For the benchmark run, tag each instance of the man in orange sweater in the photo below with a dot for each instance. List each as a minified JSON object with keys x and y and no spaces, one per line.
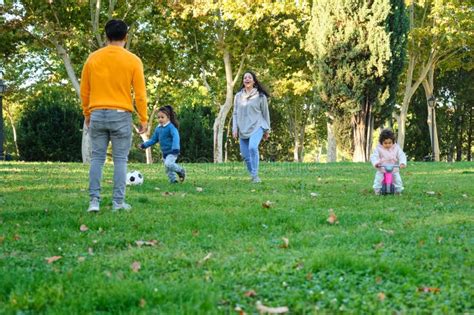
{"x":108,"y":76}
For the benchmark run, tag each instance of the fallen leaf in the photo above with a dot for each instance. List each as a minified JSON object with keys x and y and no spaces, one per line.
{"x":286,"y":243}
{"x":464,"y":195}
{"x":52,"y":259}
{"x":332,"y":219}
{"x":90,"y":251}
{"x":313,"y":194}
{"x":439,"y":239}
{"x":239,"y":310}
{"x":379,"y":245}
{"x":146,"y":243}
{"x":378,"y":280}
{"x":381,"y":296}
{"x":267,"y":204}
{"x":271,"y":310}
{"x":195,"y":233}
{"x":157,"y":188}
{"x":421,"y":243}
{"x":429,"y":290}
{"x":199,"y":189}
{"x":83,"y":228}
{"x":208,"y":256}
{"x":391,"y":232}
{"x":2,"y":238}
{"x":136,"y":266}
{"x":252,"y":190}
{"x":81,"y":259}
{"x":142,"y":303}
{"x":431,"y":193}
{"x":309,"y":276}
{"x":167,"y":193}
{"x":250,"y":293}
{"x":16,"y":237}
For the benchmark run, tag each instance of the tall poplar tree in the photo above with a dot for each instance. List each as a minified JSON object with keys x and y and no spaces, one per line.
{"x":358,"y":48}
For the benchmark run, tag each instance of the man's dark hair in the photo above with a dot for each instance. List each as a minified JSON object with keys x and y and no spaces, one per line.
{"x":386,"y":134}
{"x":116,"y":30}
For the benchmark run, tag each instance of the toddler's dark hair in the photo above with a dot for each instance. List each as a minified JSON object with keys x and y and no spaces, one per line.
{"x":386,"y":134}
{"x":169,"y":111}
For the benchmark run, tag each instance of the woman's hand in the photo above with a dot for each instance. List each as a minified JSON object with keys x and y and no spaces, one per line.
{"x":266,"y":135}
{"x":234,"y":134}
{"x":402,"y":166}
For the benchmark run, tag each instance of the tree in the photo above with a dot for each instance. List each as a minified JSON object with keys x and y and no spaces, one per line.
{"x":358,"y":49}
{"x":439,"y":31}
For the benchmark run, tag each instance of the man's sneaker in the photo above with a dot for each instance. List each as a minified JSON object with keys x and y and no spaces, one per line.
{"x":120,"y":206}
{"x":256,"y":179}
{"x":181,"y":175}
{"x":94,"y":205}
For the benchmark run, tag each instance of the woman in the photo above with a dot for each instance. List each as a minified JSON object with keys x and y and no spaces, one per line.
{"x":251,"y":120}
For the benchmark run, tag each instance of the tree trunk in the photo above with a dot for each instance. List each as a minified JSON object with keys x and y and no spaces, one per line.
{"x":428,"y":85}
{"x":460,"y":124}
{"x":332,"y":145}
{"x":219,"y":122}
{"x":12,"y":122}
{"x":361,"y":123}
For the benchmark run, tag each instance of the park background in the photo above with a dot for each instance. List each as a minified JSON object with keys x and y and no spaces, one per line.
{"x":312,"y":238}
{"x":337,"y":71}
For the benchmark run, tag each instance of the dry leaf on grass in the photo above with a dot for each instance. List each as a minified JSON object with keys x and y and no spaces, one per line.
{"x":136,"y":266}
{"x":83,"y":228}
{"x":313,"y":194}
{"x":379,"y":245}
{"x":429,"y":290}
{"x":167,"y":193}
{"x":142,"y":303}
{"x":208,"y":256}
{"x":239,"y":310}
{"x":286,"y":243}
{"x":431,"y":193}
{"x":199,"y":189}
{"x":250,"y":293}
{"x":390,"y":232}
{"x":267,"y":204}
{"x":90,"y":251}
{"x":332,"y":219}
{"x":52,"y":259}
{"x":271,"y":310}
{"x":146,"y":243}
{"x":381,"y":296}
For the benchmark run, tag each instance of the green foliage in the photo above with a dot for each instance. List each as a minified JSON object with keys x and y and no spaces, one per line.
{"x":196,"y":134}
{"x":395,"y":245}
{"x":49,"y":128}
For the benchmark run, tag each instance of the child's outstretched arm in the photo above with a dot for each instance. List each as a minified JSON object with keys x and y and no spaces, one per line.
{"x":402,"y":158}
{"x":375,"y":158}
{"x":153,"y":140}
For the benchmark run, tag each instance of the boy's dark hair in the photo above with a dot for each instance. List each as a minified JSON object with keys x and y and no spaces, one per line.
{"x":116,"y":30}
{"x":169,"y":111}
{"x":386,"y":134}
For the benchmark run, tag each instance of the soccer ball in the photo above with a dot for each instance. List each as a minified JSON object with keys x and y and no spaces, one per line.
{"x":134,"y":178}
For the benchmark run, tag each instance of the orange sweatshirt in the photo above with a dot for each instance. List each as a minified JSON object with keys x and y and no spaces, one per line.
{"x":107,"y":78}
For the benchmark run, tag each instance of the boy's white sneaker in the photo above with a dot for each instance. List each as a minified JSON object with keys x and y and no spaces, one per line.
{"x":120,"y":206}
{"x":94,"y":205}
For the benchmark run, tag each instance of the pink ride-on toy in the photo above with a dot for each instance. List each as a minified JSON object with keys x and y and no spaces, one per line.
{"x":388,"y":187}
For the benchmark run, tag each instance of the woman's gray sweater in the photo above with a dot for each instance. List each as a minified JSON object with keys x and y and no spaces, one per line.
{"x":250,"y":113}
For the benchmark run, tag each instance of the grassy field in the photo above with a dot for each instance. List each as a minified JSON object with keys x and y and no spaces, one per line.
{"x":211,"y":246}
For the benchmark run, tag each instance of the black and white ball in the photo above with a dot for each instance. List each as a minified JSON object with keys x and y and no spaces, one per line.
{"x":134,"y":178}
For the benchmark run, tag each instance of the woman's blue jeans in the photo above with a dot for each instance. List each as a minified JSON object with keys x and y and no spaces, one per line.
{"x":249,"y":151}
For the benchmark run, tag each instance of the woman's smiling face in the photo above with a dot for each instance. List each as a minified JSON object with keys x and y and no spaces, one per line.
{"x":248,"y":80}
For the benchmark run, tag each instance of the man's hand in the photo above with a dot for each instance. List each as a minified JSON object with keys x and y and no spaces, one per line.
{"x":143,"y":128}
{"x":402,"y":166}
{"x":234,"y":134}
{"x":87,"y":121}
{"x":266,"y":135}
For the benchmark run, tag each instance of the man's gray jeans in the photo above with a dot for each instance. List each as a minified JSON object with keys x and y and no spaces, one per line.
{"x":115,"y":126}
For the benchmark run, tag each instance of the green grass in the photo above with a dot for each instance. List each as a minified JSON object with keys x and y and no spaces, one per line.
{"x":395,"y":245}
